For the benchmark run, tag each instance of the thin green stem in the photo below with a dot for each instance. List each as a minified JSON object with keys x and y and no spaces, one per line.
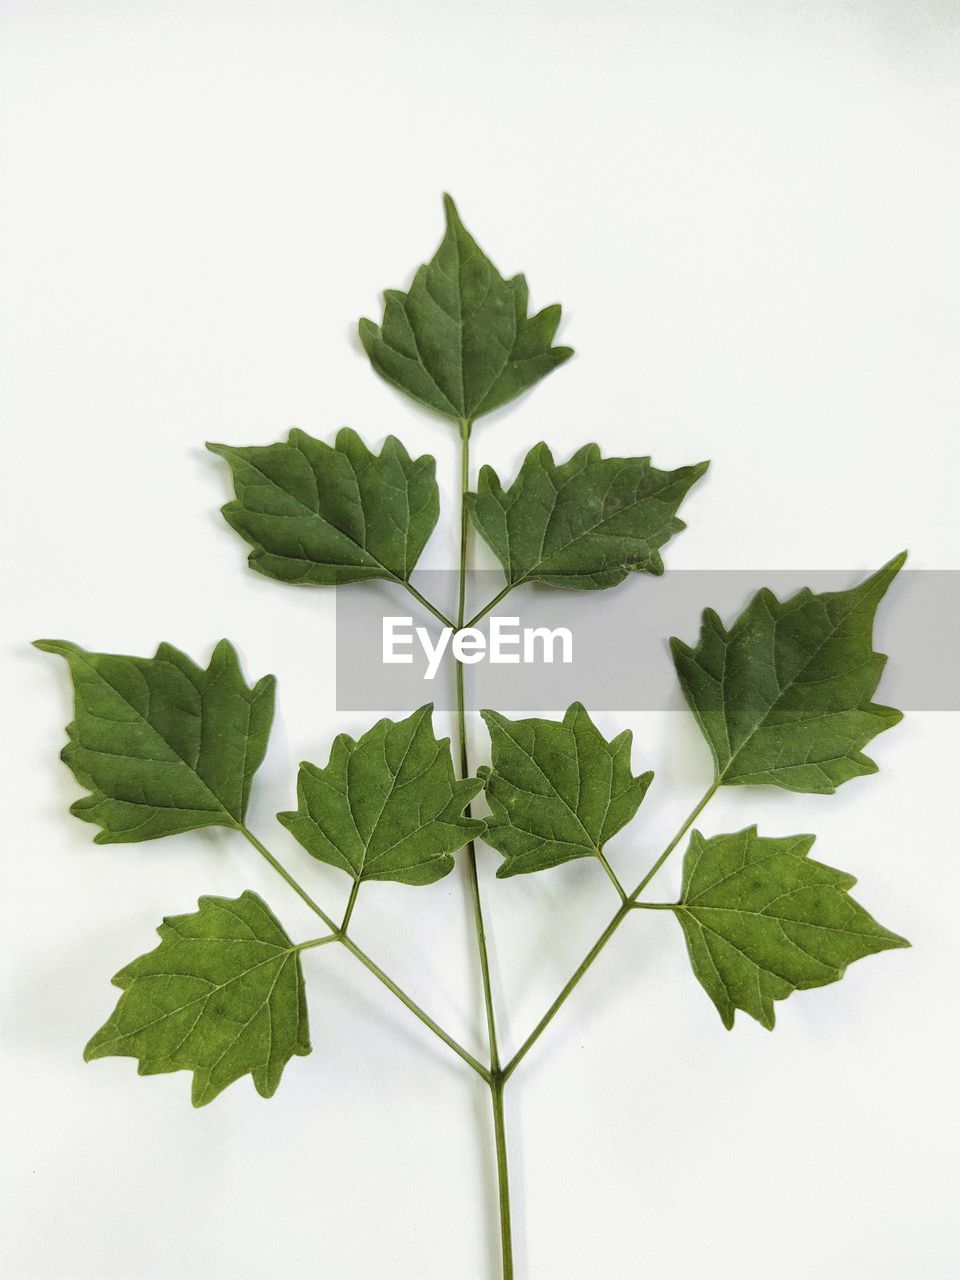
{"x":688,"y":822}
{"x":415,"y":1009}
{"x":465,"y":426}
{"x":561,"y":999}
{"x":317,"y":942}
{"x":295,"y":885}
{"x":471,"y":857}
{"x":495,"y":1077}
{"x":629,"y":902}
{"x":351,"y":903}
{"x":503,"y":1176}
{"x":340,"y":935}
{"x":614,"y":878}
{"x":491,"y":604}
{"x":431,"y":608}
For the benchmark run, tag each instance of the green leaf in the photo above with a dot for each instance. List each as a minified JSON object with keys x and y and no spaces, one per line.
{"x":162,"y":745}
{"x":783,"y":697}
{"x":585,"y":524}
{"x":460,"y":341}
{"x":321,"y":516}
{"x":762,"y":920}
{"x":221,"y":996}
{"x":558,"y":790}
{"x":387,"y":807}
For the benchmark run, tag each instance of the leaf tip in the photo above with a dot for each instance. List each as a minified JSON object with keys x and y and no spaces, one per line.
{"x":898,"y":561}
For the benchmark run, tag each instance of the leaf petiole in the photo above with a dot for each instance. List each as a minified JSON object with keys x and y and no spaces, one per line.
{"x":614,"y":878}
{"x":431,"y":608}
{"x":491,"y":604}
{"x":351,"y":903}
{"x":285,"y":874}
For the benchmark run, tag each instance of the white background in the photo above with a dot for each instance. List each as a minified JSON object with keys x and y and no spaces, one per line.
{"x":749,"y":212}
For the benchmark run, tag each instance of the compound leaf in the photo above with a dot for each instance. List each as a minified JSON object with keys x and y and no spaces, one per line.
{"x":763,"y":920}
{"x":783,"y":697}
{"x":460,"y":341}
{"x":386,"y":807}
{"x":162,"y":745}
{"x":221,"y":996}
{"x":558,"y":790}
{"x":585,"y":524}
{"x":324,"y":515}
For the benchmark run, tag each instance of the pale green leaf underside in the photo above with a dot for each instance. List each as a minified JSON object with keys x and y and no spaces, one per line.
{"x":221,"y":996}
{"x":585,"y":524}
{"x":162,"y":745}
{"x":557,"y":790}
{"x":386,"y":807}
{"x":460,"y":340}
{"x":784,"y":696}
{"x":322,"y":515}
{"x":763,"y":920}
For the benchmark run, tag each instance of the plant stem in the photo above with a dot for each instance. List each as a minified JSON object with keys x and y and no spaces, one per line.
{"x":491,"y":604}
{"x":431,"y":608}
{"x":295,"y":885}
{"x":581,"y":969}
{"x":351,"y":903}
{"x":625,"y":908}
{"x":317,"y":942}
{"x":690,"y":819}
{"x":496,"y":1079}
{"x":614,"y":878}
{"x":415,"y":1009}
{"x":339,"y":933}
{"x":497,"y":1085}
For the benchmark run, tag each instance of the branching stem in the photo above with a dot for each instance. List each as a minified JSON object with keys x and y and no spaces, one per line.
{"x":338,"y":933}
{"x":629,"y":902}
{"x":495,"y":1079}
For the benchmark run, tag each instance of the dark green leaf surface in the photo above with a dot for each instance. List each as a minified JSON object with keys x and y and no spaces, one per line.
{"x":162,"y":745}
{"x":386,"y":807}
{"x":460,"y":340}
{"x":584,"y":524}
{"x":221,"y":996}
{"x":784,"y":696}
{"x":557,"y":789}
{"x":762,"y":920}
{"x":323,"y":515}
